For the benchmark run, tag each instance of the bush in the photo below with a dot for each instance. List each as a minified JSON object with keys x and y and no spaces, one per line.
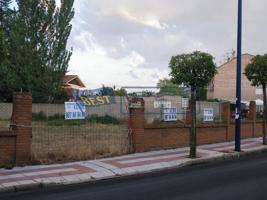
{"x":63,"y":122}
{"x":40,"y":116}
{"x":103,"y":119}
{"x":56,"y":117}
{"x":59,"y":120}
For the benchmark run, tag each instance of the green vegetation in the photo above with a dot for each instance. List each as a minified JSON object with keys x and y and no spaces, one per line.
{"x":33,"y":49}
{"x":168,"y":87}
{"x":256,"y":72}
{"x":8,"y":166}
{"x":201,"y":94}
{"x":143,"y":93}
{"x":59,"y":120}
{"x":120,"y":92}
{"x":40,"y":116}
{"x":194,"y":70}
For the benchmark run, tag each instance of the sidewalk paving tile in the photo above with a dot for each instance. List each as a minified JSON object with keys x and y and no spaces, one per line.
{"x":76,"y":172}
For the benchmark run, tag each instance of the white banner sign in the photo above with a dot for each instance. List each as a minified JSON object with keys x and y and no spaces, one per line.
{"x":75,"y":110}
{"x":208,"y":115}
{"x":170,"y":114}
{"x":162,"y":104}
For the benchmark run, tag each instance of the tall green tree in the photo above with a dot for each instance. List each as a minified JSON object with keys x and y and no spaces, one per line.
{"x":6,"y":75}
{"x":38,"y":54}
{"x":256,"y":72}
{"x":193,"y":70}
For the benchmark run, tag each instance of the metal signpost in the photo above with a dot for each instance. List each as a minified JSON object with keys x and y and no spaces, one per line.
{"x":238,"y":79}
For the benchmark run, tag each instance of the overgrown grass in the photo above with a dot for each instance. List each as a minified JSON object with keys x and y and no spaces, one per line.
{"x":89,"y":141}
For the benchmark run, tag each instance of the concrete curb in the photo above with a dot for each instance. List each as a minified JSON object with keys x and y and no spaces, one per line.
{"x":228,"y":156}
{"x":198,"y":161}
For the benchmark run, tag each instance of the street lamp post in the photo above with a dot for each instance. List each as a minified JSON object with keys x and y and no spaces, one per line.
{"x":238,"y":79}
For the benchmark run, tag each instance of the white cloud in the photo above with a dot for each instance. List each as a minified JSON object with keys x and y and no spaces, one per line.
{"x":96,"y":67}
{"x":147,"y":20}
{"x":130,"y":42}
{"x":89,"y":43}
{"x":135,"y":59}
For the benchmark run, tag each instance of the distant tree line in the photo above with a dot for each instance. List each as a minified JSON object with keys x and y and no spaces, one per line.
{"x":33,"y":49}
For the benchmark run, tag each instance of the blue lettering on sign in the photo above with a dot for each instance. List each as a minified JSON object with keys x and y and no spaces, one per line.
{"x":75,"y":110}
{"x":67,"y":115}
{"x":170,"y":114}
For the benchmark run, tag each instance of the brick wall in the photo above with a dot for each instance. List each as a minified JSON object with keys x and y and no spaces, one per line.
{"x":7,"y":147}
{"x":162,"y":136}
{"x":15,"y":145}
{"x":151,"y":137}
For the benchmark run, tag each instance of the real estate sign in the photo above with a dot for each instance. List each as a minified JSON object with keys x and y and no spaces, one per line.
{"x":75,"y":110}
{"x":208,"y":115}
{"x":162,"y":104}
{"x":170,"y":114}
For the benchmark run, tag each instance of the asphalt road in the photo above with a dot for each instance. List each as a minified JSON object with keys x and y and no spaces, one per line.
{"x":241,"y":179}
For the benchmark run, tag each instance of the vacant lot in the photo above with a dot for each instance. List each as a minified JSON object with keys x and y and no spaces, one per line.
{"x":88,"y":141}
{"x":53,"y":141}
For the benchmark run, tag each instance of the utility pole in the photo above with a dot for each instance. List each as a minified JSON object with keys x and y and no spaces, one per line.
{"x":238,"y":79}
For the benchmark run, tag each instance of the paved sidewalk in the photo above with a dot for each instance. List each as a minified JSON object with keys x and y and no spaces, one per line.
{"x":21,"y":178}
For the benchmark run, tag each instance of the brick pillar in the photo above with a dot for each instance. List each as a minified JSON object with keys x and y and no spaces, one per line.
{"x":136,"y":122}
{"x":226,"y":118}
{"x":252,"y":111}
{"x":252,"y":116}
{"x":21,"y":124}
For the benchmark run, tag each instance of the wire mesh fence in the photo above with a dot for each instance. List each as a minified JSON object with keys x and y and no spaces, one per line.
{"x":103,"y":132}
{"x":166,"y":105}
{"x":5,"y":115}
{"x":259,"y":111}
{"x":164,"y":108}
{"x":203,"y":107}
{"x":104,"y":129}
{"x":78,"y":142}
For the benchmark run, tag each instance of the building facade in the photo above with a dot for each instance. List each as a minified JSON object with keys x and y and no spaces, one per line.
{"x":223,"y":86}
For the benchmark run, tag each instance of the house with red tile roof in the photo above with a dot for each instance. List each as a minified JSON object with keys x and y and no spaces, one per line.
{"x":72,"y":84}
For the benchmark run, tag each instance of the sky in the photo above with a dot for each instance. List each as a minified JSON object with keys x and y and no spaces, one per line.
{"x":130,"y":42}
